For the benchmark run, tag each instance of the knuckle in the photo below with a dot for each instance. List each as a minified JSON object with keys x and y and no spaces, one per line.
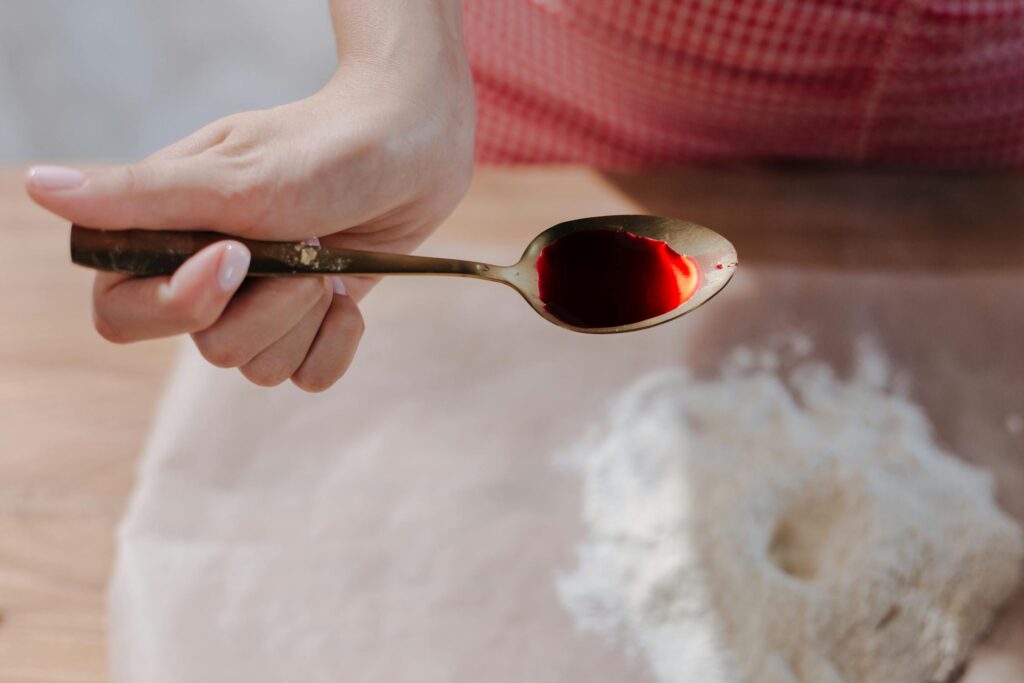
{"x":313,"y":383}
{"x":232,"y":123}
{"x":238,"y":142}
{"x":358,"y":324}
{"x":219,"y":353}
{"x":134,"y":178}
{"x":266,"y":374}
{"x":188,"y":316}
{"x":244,"y":131}
{"x":370,"y":148}
{"x":107,"y":329}
{"x":134,"y":181}
{"x":245,"y":189}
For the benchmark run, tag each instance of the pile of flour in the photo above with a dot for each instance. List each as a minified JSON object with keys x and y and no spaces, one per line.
{"x":804,"y":529}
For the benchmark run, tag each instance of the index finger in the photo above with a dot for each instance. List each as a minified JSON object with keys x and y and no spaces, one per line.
{"x":128,"y":309}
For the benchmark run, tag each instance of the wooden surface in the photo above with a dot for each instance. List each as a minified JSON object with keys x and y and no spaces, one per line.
{"x":73,"y":412}
{"x":74,"y":409}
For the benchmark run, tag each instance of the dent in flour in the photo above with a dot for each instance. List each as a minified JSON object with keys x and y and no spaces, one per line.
{"x":808,"y":530}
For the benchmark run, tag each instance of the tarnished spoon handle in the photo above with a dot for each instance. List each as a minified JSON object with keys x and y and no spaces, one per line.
{"x":160,"y":252}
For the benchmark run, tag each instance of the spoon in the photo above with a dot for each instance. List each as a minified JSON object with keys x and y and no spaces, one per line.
{"x":598,"y":275}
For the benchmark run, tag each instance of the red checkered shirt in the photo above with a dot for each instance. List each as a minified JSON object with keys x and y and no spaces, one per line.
{"x":634,"y":83}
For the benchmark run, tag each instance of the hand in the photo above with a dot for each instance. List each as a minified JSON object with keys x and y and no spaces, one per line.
{"x":375,"y":160}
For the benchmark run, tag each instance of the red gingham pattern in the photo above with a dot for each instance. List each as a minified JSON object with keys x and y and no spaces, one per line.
{"x":632,"y":83}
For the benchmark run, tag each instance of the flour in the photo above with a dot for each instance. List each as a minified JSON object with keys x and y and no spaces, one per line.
{"x":801,"y":530}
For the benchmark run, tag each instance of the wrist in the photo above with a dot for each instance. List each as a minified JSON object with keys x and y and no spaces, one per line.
{"x":396,"y":33}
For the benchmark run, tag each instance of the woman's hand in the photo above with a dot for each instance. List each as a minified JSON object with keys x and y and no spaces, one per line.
{"x":375,"y":160}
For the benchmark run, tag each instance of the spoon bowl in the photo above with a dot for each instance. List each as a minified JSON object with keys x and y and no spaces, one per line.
{"x":706,"y":261}
{"x":713,"y":255}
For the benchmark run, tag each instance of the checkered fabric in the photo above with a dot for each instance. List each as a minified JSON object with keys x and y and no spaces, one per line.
{"x":634,"y":83}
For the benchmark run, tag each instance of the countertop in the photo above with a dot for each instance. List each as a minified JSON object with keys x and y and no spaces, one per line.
{"x":74,"y":409}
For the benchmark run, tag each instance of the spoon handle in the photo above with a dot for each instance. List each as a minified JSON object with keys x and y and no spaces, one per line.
{"x":160,"y":252}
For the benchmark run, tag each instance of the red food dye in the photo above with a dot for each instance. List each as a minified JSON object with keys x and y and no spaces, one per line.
{"x":605,"y":278}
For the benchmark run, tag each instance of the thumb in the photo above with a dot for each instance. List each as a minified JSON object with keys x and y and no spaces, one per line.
{"x":190,"y":192}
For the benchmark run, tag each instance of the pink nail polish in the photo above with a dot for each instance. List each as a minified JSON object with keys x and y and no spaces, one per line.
{"x":55,"y":178}
{"x":339,"y":286}
{"x":234,"y":265}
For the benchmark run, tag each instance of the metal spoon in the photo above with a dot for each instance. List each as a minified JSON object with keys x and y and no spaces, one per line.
{"x":160,"y":252}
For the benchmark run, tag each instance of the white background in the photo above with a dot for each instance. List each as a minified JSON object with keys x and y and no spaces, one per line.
{"x":117,"y":79}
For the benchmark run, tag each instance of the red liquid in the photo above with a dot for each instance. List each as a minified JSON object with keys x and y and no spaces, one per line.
{"x":604,"y":278}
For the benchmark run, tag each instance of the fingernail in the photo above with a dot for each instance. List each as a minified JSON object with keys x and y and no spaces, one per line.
{"x":55,"y":178}
{"x":234,"y":265}
{"x":339,"y":286}
{"x":312,"y":241}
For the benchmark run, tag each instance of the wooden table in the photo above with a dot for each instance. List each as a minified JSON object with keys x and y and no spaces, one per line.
{"x":74,"y":409}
